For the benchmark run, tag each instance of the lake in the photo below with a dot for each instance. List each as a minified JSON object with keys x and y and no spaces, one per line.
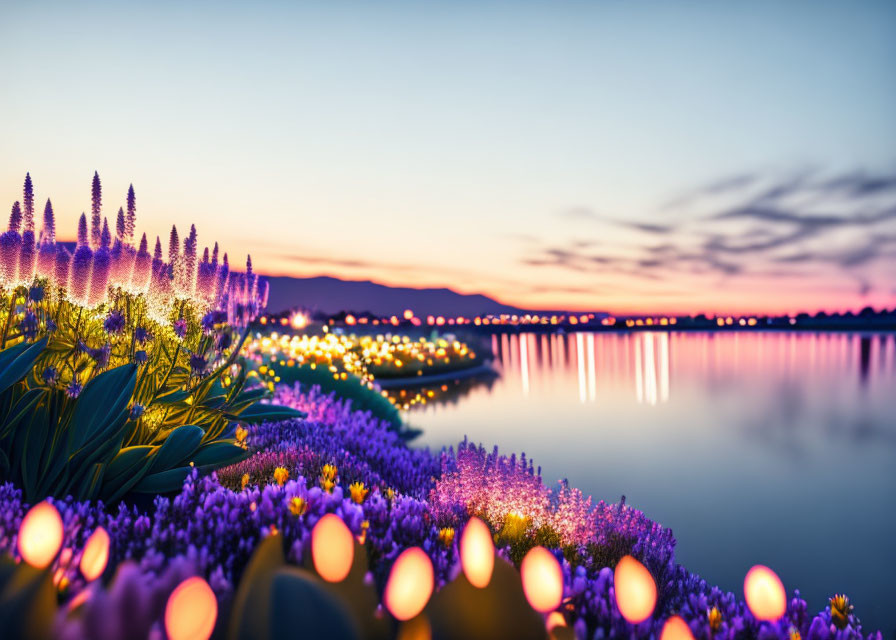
{"x":754,"y":447}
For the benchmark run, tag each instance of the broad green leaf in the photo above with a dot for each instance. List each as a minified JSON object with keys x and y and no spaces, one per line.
{"x":177,"y":448}
{"x":268,"y":413}
{"x":167,"y":481}
{"x":17,"y":361}
{"x":103,"y":400}
{"x":219,"y":453}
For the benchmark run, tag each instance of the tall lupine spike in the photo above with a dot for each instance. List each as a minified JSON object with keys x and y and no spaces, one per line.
{"x":187,"y":282}
{"x":10,"y":241}
{"x":96,"y":208}
{"x":205,"y":254}
{"x":82,"y":230}
{"x":215,"y":256}
{"x":105,"y":235}
{"x":173,"y":253}
{"x":48,"y":233}
{"x":15,"y":217}
{"x":159,"y":269}
{"x":121,"y":230}
{"x":28,"y":203}
{"x":157,"y":253}
{"x":131,"y":218}
{"x":28,"y":256}
{"x":47,"y":243}
{"x":142,"y":266}
{"x":99,"y":276}
{"x":60,"y":273}
{"x":82,"y":261}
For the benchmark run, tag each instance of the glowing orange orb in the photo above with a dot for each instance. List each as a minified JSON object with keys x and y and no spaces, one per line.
{"x":477,"y":553}
{"x":676,"y":629}
{"x":191,"y":611}
{"x":635,"y":590}
{"x":542,"y":580}
{"x":40,"y":535}
{"x":96,"y":555}
{"x":765,"y":593}
{"x":555,"y":619}
{"x":410,"y":584}
{"x":332,"y":548}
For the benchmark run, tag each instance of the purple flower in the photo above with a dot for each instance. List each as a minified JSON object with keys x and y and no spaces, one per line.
{"x":29,"y":325}
{"x":180,"y":327}
{"x":136,"y":411}
{"x":141,"y":334}
{"x":140,"y":357}
{"x":50,"y":375}
{"x":114,"y":322}
{"x":197,"y":365}
{"x":101,"y":355}
{"x":36,"y":293}
{"x":73,"y":390}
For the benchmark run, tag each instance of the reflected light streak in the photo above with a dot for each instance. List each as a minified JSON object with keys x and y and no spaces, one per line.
{"x":592,"y":374}
{"x":580,"y":360}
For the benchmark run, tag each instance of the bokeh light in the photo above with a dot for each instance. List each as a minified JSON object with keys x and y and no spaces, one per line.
{"x":635,"y":590}
{"x":332,"y":548}
{"x":95,"y":555}
{"x":676,"y":629}
{"x":542,"y":580}
{"x":191,"y":611}
{"x":410,"y":584}
{"x":764,"y":593}
{"x":477,"y":553}
{"x":40,"y":535}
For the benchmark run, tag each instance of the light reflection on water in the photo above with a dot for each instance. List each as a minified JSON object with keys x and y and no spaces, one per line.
{"x":773,"y":448}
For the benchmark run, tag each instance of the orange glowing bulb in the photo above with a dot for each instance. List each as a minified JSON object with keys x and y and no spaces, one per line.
{"x":96,"y":555}
{"x":410,"y":584}
{"x":477,"y":553}
{"x":555,"y":619}
{"x":676,"y":629}
{"x":635,"y":590}
{"x":542,"y":580}
{"x":765,"y":593}
{"x":191,"y":611}
{"x":40,"y":535}
{"x":332,"y":548}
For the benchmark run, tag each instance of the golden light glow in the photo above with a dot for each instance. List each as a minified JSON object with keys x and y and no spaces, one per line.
{"x":410,"y":584}
{"x":477,"y":553}
{"x":676,"y":629}
{"x":765,"y":593}
{"x":635,"y":590}
{"x":332,"y":548}
{"x":40,"y":535}
{"x":542,"y":580}
{"x":191,"y":611}
{"x":555,"y":619}
{"x":95,"y":555}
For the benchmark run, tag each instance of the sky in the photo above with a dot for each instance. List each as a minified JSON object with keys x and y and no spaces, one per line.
{"x":604,"y":155}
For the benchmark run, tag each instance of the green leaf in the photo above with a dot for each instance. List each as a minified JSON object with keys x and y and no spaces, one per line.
{"x":268,"y":413}
{"x":219,"y":453}
{"x":101,"y":402}
{"x":17,"y":361}
{"x":20,"y":411}
{"x":177,"y":448}
{"x":167,"y":481}
{"x":128,"y":461}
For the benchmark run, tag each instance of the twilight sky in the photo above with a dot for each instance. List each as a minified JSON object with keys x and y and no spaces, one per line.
{"x":628,"y":156}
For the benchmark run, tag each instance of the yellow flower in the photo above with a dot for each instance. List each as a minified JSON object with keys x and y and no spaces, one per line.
{"x":715,"y":618}
{"x":446,"y":536}
{"x":390,"y":493}
{"x":358,"y":491}
{"x":281,"y":475}
{"x":327,"y":485}
{"x":795,"y":634}
{"x":362,"y":538}
{"x":241,"y":434}
{"x":298,"y":506}
{"x":328,"y":472}
{"x":244,"y":481}
{"x":840,"y":610}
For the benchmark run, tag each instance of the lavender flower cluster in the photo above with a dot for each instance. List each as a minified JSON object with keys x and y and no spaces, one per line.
{"x":100,"y":262}
{"x":345,"y":462}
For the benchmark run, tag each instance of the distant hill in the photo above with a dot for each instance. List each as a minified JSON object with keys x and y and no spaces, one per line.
{"x":331,"y":295}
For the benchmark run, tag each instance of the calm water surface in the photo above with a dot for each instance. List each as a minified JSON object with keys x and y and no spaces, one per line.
{"x":771,"y":448}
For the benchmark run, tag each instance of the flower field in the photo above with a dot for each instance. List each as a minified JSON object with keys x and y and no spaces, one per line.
{"x":150,"y":487}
